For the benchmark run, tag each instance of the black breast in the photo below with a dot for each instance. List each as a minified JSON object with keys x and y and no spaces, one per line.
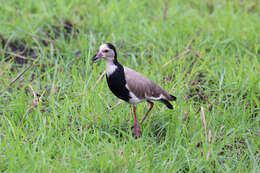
{"x":117,"y":83}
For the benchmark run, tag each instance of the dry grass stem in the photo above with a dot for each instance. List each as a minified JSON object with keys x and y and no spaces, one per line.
{"x":21,"y":74}
{"x":19,"y":56}
{"x":210,"y":136}
{"x":166,"y":7}
{"x":204,"y":120}
{"x":171,"y":60}
{"x":100,"y":77}
{"x":36,"y":98}
{"x":109,"y":109}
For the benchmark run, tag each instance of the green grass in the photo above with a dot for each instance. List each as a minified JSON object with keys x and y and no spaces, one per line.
{"x":220,"y":74}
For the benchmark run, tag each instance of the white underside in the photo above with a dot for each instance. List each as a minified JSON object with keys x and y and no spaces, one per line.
{"x":155,"y":98}
{"x":134,"y":99}
{"x":111,"y":68}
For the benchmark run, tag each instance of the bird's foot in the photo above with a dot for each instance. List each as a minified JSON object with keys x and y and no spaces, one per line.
{"x":137,"y":131}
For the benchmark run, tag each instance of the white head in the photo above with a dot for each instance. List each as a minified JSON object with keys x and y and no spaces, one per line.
{"x":107,"y":51}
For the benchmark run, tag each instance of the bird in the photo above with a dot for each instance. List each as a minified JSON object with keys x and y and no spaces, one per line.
{"x":129,"y":85}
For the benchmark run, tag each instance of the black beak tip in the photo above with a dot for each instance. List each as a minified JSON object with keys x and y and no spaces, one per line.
{"x":94,"y":59}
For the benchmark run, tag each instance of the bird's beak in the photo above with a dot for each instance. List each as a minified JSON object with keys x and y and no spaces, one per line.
{"x":97,"y":56}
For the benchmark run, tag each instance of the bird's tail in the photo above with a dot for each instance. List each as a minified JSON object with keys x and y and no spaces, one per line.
{"x":172,"y":98}
{"x":168,"y":104}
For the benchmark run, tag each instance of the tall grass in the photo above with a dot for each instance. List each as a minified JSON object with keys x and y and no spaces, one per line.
{"x":72,"y":129}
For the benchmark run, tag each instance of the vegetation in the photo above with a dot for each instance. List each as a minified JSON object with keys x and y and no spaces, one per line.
{"x":59,"y":115}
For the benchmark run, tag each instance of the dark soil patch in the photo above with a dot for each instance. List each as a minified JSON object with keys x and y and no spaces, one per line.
{"x":197,"y":91}
{"x":19,"y":50}
{"x":23,"y":54}
{"x":67,"y":29}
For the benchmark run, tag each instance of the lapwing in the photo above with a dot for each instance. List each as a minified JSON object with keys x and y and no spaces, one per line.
{"x":129,"y":85}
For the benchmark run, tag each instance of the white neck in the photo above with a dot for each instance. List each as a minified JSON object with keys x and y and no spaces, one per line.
{"x":111,"y":67}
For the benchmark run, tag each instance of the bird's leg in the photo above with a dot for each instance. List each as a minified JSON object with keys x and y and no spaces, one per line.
{"x":151,"y":106}
{"x":137,"y":129}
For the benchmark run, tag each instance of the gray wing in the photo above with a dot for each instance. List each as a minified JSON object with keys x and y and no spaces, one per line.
{"x":143,"y":87}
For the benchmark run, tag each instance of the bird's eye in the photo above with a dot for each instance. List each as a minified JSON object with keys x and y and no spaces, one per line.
{"x":105,"y":51}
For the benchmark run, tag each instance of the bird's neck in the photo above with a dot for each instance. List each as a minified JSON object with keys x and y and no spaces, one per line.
{"x":112,"y":65}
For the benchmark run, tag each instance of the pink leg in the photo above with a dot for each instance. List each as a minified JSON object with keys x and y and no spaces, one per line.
{"x":151,"y":106}
{"x":137,"y":129}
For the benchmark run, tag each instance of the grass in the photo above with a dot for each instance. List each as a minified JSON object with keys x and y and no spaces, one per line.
{"x":71,"y":129}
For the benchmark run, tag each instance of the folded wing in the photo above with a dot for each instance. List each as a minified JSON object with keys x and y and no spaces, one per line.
{"x":144,"y":88}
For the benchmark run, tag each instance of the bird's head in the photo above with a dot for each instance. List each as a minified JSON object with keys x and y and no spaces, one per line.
{"x":107,"y":51}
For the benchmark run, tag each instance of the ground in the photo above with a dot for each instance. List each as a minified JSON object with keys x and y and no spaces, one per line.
{"x":58,"y":115}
